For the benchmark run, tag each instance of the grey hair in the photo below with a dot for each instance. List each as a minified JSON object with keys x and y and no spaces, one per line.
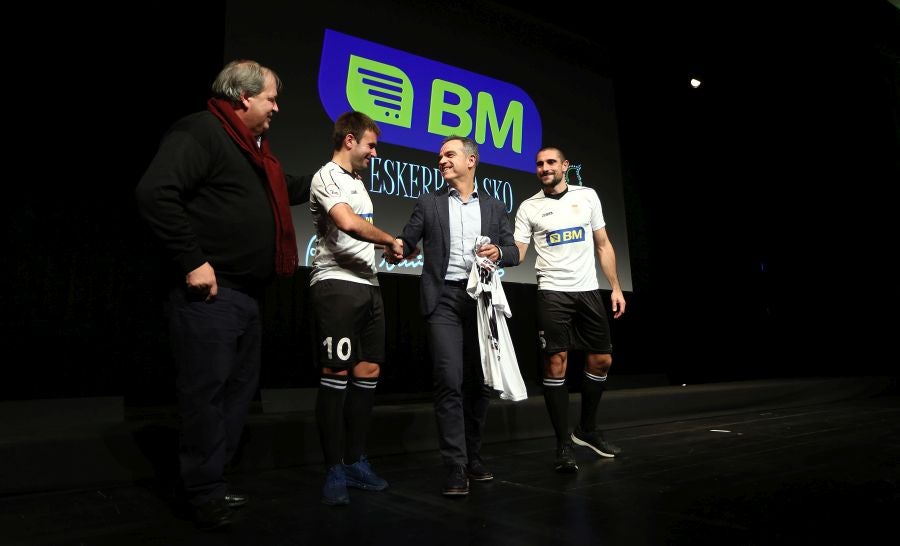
{"x":242,"y":78}
{"x":468,"y":145}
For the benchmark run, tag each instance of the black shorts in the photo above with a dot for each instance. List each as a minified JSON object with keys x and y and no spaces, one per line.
{"x":349,"y":323}
{"x":572,"y":320}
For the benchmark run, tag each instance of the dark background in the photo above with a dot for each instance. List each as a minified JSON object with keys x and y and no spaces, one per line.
{"x":569,"y":100}
{"x":759,"y":208}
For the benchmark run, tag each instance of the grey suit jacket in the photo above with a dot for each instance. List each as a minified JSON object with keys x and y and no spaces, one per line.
{"x":430,"y":222}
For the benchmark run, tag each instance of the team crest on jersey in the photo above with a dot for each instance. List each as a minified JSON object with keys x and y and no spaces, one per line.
{"x":565,"y":236}
{"x":368,"y":217}
{"x":333,"y":189}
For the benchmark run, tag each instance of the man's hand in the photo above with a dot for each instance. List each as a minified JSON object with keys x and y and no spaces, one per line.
{"x":394,"y":253}
{"x":491,"y":252}
{"x":203,"y":281}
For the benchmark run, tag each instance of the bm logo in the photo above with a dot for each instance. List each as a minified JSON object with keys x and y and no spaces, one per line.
{"x":565,"y":236}
{"x":417,"y":102}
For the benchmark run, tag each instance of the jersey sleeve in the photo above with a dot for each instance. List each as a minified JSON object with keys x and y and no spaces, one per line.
{"x":326,"y":189}
{"x":597,"y":221}
{"x":523,"y":226}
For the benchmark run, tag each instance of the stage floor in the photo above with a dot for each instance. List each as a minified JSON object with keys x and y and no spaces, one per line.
{"x":817,"y":474}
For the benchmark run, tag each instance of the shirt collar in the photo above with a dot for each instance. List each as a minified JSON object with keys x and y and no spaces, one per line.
{"x":455,"y":193}
{"x":559,"y":195}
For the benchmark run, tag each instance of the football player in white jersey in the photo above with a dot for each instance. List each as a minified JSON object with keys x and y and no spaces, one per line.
{"x":346,"y":300}
{"x":567,"y":226}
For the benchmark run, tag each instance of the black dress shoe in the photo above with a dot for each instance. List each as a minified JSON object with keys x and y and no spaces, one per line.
{"x":213,"y":514}
{"x":457,"y":483}
{"x":478,"y":471}
{"x":236,"y":500}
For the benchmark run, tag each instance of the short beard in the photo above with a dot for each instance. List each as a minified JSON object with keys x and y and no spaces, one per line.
{"x":553,"y":183}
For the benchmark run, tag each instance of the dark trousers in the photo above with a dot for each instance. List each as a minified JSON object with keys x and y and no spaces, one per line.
{"x":217,"y":347}
{"x":460,"y":399}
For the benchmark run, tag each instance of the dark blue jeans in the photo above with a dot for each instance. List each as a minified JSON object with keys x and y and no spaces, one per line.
{"x":217,"y":348}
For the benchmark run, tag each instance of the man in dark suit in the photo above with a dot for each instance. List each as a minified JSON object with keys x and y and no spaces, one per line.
{"x":448,"y":221}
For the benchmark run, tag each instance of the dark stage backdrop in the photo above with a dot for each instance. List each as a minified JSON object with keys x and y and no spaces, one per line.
{"x":757,"y":211}
{"x":424,"y":70}
{"x":87,"y":286}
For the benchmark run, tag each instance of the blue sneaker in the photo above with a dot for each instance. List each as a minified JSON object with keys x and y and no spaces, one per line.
{"x":334,"y":493}
{"x":361,"y":476}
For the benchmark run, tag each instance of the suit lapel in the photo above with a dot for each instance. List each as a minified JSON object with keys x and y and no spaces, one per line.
{"x":443,"y":213}
{"x":485,"y":214}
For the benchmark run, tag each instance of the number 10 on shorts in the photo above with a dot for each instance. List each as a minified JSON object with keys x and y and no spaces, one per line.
{"x":343,"y":348}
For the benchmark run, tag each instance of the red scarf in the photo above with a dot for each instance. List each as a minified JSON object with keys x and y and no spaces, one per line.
{"x":286,"y":257}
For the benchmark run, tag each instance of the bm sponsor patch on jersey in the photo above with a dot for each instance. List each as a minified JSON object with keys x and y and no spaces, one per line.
{"x":565,"y":236}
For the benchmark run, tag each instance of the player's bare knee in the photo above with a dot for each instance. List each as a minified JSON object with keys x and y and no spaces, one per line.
{"x":599,"y":364}
{"x":366,"y":370}
{"x":555,"y":365}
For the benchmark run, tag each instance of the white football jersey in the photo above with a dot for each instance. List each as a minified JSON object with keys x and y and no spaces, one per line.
{"x":338,"y":255}
{"x":563,"y":233}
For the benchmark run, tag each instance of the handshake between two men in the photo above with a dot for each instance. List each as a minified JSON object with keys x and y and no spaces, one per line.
{"x":394,"y":253}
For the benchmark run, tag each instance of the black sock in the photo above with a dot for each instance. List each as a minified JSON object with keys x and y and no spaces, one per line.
{"x":556,"y":397}
{"x":591,"y":390}
{"x":330,"y":416}
{"x":358,"y":416}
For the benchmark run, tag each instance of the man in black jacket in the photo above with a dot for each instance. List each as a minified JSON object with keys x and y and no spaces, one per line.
{"x":218,"y":200}
{"x":448,"y":221}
